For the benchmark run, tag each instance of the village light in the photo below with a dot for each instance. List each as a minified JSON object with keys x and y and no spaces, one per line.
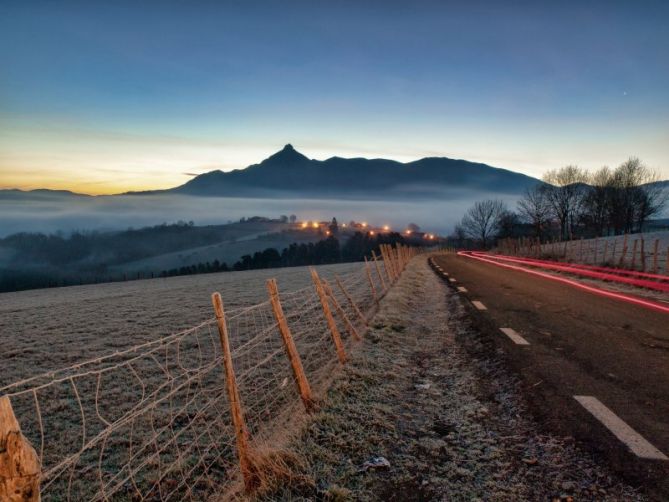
{"x":386,"y":227}
{"x":364,"y":224}
{"x":314,"y":224}
{"x":408,"y":232}
{"x":327,"y":232}
{"x":304,"y":224}
{"x":371,"y":232}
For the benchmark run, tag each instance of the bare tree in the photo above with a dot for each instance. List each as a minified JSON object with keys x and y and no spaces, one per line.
{"x":635,"y":196}
{"x":566,"y":195}
{"x":535,"y":209}
{"x":596,"y":205}
{"x":481,"y":221}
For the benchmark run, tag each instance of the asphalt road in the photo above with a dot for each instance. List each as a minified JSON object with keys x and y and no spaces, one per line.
{"x":579,"y":344}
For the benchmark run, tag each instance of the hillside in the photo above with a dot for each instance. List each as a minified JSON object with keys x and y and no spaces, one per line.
{"x":288,"y":173}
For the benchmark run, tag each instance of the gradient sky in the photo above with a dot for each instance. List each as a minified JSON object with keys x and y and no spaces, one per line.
{"x":106,"y":97}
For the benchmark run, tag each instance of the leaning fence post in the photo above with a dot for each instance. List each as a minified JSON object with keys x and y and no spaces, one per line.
{"x":332,"y":325}
{"x":371,"y":282}
{"x":386,"y":263}
{"x":378,"y":271}
{"x":340,"y":311}
{"x":289,"y":344}
{"x":19,"y":464}
{"x":247,"y":467}
{"x":624,"y":252}
{"x":354,"y":306}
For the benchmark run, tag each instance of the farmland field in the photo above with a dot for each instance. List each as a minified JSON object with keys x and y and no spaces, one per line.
{"x":43,"y":330}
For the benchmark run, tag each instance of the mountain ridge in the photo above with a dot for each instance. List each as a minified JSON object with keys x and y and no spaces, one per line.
{"x":290,"y":173}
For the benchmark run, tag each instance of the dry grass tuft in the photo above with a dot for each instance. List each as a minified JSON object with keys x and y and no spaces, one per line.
{"x":279,"y":468}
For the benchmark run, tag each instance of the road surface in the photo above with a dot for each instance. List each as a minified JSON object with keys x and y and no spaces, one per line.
{"x":579,"y":344}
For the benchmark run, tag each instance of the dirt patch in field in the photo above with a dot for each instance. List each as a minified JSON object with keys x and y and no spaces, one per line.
{"x":451,"y":426}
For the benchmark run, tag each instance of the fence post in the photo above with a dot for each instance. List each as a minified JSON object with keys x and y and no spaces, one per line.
{"x":378,"y":271}
{"x":606,"y":251}
{"x":624,"y":253}
{"x":386,"y":263}
{"x":633,"y":267}
{"x":340,"y":311}
{"x":371,"y":282}
{"x":351,"y":301}
{"x":655,"y":250}
{"x":19,"y":464}
{"x":293,"y":355}
{"x":249,"y":471}
{"x":332,"y":325}
{"x":643,"y":255}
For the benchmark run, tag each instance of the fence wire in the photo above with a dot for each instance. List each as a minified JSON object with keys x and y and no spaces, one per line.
{"x":153,"y":422}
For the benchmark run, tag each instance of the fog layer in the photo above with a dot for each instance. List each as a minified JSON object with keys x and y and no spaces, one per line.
{"x":66,"y":213}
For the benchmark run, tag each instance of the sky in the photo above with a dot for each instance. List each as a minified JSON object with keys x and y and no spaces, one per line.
{"x":108,"y":97}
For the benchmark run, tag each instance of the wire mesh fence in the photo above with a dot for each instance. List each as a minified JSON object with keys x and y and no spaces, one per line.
{"x":154,"y":422}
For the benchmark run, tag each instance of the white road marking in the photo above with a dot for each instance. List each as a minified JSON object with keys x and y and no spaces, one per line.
{"x":479,"y":305}
{"x":634,"y":441}
{"x":462,"y":289}
{"x":452,"y":280}
{"x":515,"y":337}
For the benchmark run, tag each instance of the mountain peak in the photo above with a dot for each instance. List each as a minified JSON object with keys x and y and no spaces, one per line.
{"x":286,"y":156}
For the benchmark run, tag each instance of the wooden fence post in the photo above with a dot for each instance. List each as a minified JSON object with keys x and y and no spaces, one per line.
{"x":332,"y":325}
{"x":354,"y":306}
{"x":633,"y":267}
{"x":386,"y":263}
{"x":594,"y":260}
{"x":624,"y":253}
{"x":606,"y":250}
{"x":643,"y":254}
{"x":249,"y":470}
{"x":340,"y":311}
{"x":291,"y":350}
{"x":655,"y":251}
{"x":371,"y":282}
{"x":378,"y":271}
{"x":19,"y":464}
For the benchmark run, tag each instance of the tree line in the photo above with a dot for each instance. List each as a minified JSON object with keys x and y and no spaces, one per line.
{"x":325,"y":251}
{"x":570,"y":203}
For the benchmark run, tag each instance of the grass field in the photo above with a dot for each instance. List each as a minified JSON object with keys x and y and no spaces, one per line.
{"x":42,"y":330}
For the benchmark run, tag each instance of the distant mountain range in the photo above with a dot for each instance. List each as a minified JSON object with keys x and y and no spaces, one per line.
{"x":288,"y":173}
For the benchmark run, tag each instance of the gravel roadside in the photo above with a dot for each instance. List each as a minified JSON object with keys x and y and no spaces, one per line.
{"x":450,"y":422}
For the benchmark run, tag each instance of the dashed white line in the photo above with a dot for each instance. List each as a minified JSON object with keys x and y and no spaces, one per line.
{"x":515,"y":337}
{"x":631,"y":438}
{"x":451,"y":280}
{"x":462,"y":289}
{"x":479,"y":305}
